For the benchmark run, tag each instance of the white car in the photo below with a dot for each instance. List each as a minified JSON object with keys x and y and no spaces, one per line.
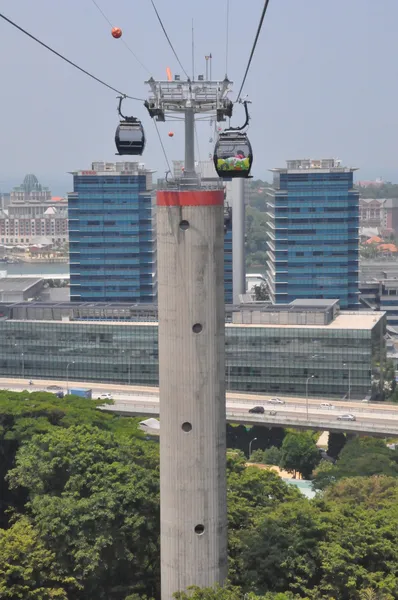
{"x":346,"y":418}
{"x":276,"y":401}
{"x":327,"y":405}
{"x":105,"y":397}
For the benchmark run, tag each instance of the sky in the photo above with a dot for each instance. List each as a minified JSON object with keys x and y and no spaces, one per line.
{"x":323,"y":81}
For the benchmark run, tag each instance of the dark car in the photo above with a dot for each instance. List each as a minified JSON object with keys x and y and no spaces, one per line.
{"x":257,"y":409}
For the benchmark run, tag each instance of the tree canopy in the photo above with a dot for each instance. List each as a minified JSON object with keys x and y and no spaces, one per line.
{"x":80,"y":511}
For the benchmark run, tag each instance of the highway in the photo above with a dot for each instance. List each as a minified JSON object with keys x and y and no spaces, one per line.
{"x":379,"y":419}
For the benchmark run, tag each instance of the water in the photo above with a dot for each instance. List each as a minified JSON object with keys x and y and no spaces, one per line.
{"x":35,"y":268}
{"x":304,"y":485}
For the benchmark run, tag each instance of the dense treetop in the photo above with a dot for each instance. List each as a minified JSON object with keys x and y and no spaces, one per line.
{"x":80,"y":512}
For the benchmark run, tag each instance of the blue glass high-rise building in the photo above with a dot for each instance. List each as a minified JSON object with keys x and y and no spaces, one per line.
{"x":112,"y":235}
{"x":313,"y":212}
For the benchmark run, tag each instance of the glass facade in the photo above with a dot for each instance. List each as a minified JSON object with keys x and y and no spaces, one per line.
{"x":112,"y":248}
{"x":259,"y":358}
{"x":313,"y":236}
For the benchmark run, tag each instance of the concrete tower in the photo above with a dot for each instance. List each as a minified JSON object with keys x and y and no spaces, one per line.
{"x":190,"y":229}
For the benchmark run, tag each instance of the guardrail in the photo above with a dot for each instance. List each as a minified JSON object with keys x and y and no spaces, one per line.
{"x":347,"y":426}
{"x":338,"y":409}
{"x":238,"y":398}
{"x":277,"y":421}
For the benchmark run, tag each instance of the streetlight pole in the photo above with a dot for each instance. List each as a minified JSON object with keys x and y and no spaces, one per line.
{"x":67,"y":375}
{"x":349,"y":380}
{"x":250,"y":447}
{"x":306,"y":391}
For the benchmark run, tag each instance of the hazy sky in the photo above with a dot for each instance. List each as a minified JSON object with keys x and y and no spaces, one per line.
{"x":323,"y":81}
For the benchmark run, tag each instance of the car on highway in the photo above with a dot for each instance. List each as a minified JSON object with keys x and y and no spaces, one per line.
{"x":272,"y":413}
{"x":105,"y":397}
{"x":347,"y":417}
{"x":327,"y":405}
{"x":54,"y":388}
{"x":257,"y":410}
{"x":276,"y":401}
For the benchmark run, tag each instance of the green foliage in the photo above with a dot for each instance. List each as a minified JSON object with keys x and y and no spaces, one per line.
{"x":341,"y":546}
{"x":81,"y":511}
{"x":273,"y":456}
{"x":360,"y":457}
{"x":211,"y":593}
{"x":25,"y":414}
{"x":281,"y":551}
{"x":386,"y":190}
{"x":299,"y":453}
{"x":95,"y":499}
{"x":28,"y":570}
{"x":261,"y":292}
{"x":324,"y":475}
{"x":365,"y":457}
{"x":257,"y":236}
{"x":257,"y":456}
{"x":258,"y":195}
{"x":251,"y":493}
{"x":227,"y":593}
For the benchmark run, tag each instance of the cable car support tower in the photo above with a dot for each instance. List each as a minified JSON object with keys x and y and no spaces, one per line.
{"x":190,"y":230}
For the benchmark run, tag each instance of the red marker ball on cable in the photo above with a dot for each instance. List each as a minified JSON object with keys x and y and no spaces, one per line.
{"x":116,"y":32}
{"x":171,"y":134}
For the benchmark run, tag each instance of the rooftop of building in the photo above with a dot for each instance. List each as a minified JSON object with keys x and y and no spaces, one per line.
{"x":20,"y":284}
{"x":308,"y":314}
{"x":354,"y":321}
{"x":311,"y":165}
{"x":120,"y":167}
{"x":30,"y":184}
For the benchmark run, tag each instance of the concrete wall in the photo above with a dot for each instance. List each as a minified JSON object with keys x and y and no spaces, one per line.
{"x":192,"y":392}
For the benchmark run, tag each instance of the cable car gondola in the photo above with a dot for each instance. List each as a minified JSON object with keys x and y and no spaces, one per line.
{"x":233,"y":155}
{"x":130,"y":135}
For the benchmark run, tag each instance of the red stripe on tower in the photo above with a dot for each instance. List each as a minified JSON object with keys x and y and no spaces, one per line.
{"x":190,"y":198}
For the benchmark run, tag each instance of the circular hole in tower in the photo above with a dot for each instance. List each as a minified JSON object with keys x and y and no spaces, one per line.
{"x":197,"y":328}
{"x":199,"y":529}
{"x":184,"y":225}
{"x":187,"y":427}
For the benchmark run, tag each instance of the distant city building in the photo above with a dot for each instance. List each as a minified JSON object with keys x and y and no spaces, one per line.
{"x":31,"y":215}
{"x":389,"y":215}
{"x":5,"y":199}
{"x":371,"y":183}
{"x":269,"y":349}
{"x":370,"y":212}
{"x":112,"y":234}
{"x":313,"y":212}
{"x":50,"y":228}
{"x":382,"y":294}
{"x":31,"y":200}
